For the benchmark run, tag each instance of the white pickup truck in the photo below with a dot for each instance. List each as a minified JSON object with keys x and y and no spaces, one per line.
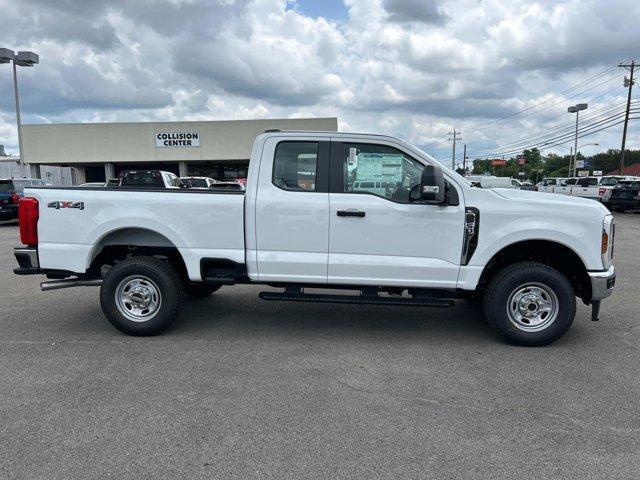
{"x":595,"y":188}
{"x":428,"y":238}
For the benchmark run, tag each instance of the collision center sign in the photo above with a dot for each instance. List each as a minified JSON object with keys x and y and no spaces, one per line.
{"x":177,"y":139}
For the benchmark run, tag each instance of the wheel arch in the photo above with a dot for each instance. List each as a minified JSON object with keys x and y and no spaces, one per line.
{"x":121,"y":243}
{"x":549,"y":252}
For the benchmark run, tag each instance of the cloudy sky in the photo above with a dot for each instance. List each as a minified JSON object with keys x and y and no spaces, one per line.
{"x":500,"y":71}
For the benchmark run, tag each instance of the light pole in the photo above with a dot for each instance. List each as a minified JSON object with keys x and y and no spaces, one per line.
{"x":22,"y":59}
{"x":576,"y":109}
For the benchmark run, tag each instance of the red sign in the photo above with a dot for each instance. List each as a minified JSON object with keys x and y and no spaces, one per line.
{"x":498,"y":162}
{"x":522,"y":160}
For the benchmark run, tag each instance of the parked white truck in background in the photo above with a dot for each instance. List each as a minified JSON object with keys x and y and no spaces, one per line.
{"x":491,"y":181}
{"x":429,"y":237}
{"x":595,"y":188}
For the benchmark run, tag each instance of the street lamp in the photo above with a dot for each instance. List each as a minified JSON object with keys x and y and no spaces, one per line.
{"x":22,"y":59}
{"x":576,"y":109}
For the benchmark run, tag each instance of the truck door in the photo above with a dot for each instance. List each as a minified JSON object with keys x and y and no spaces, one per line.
{"x":379,"y":237}
{"x":292,"y":210}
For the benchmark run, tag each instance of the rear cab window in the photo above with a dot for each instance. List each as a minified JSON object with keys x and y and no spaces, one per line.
{"x":142,"y":179}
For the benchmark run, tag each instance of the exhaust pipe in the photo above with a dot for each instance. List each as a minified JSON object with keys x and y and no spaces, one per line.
{"x":70,"y":282}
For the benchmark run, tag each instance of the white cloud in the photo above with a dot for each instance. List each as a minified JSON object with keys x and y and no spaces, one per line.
{"x":409,"y":68}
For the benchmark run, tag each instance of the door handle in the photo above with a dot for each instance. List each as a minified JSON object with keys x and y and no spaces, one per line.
{"x":350,"y":213}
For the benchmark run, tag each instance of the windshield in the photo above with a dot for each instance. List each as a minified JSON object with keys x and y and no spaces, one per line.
{"x":609,"y":181}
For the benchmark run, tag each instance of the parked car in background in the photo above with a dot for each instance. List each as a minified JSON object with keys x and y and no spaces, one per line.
{"x":10,"y":192}
{"x":149,"y":179}
{"x":528,"y":186}
{"x":228,"y":186}
{"x":565,"y":187}
{"x":548,"y":185}
{"x":491,"y":181}
{"x":586,"y":187}
{"x":608,"y":183}
{"x":625,"y":196}
{"x":198,"y":182}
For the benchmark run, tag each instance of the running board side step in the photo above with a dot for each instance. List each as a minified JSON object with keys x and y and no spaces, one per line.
{"x":298,"y":296}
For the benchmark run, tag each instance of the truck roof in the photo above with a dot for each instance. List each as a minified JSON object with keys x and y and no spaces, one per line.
{"x":334,"y":134}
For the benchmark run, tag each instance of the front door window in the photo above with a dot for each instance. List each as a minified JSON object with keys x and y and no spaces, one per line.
{"x":379,"y":170}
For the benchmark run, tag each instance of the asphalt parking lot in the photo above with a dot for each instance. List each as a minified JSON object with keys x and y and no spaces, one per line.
{"x":241,"y":388}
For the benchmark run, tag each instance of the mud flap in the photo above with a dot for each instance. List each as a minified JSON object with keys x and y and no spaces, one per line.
{"x":595,"y":310}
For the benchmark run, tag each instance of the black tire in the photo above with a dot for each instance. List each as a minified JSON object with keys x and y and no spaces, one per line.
{"x":200,"y":290}
{"x":514,"y":279}
{"x":153,"y":275}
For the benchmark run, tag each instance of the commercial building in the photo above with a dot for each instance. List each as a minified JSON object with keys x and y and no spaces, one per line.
{"x":100,"y":151}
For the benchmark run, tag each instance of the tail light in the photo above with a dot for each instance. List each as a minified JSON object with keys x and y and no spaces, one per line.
{"x":15,"y":198}
{"x":28,"y":214}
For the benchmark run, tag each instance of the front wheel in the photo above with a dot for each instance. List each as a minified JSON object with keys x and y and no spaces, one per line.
{"x":141,"y":296}
{"x":530,"y":304}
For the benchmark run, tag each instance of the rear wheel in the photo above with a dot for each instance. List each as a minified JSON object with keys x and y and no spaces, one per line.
{"x":530,"y":304}
{"x":200,"y":290}
{"x":141,"y":295}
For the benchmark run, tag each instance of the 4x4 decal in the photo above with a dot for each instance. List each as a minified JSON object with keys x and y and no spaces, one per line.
{"x":59,"y":205}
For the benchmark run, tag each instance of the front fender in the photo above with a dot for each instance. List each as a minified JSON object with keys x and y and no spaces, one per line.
{"x":579,"y":238}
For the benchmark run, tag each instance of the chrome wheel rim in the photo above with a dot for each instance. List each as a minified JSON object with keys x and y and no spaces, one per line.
{"x":138,"y":298}
{"x":532,"y":307}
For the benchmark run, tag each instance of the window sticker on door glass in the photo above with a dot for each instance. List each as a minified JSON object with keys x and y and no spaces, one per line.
{"x":377,"y":167}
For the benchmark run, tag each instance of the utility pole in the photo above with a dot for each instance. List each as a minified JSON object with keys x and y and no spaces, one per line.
{"x":464,"y":160}
{"x":453,"y":147}
{"x":570,"y":160}
{"x":628,"y":82}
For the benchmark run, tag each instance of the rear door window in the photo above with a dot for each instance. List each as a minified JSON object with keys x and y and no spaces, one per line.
{"x":295,"y":166}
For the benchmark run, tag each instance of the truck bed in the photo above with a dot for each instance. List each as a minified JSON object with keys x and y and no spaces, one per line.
{"x":75,"y":223}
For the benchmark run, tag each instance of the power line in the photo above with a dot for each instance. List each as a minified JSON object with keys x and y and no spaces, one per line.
{"x":563,"y":123}
{"x":543,"y":102}
{"x":438,"y":140}
{"x":584,"y":130}
{"x":559,"y":128}
{"x":559,"y":139}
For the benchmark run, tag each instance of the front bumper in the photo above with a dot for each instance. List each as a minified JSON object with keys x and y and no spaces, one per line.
{"x":602,"y":283}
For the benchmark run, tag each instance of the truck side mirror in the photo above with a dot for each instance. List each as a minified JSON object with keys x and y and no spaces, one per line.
{"x":432,"y":189}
